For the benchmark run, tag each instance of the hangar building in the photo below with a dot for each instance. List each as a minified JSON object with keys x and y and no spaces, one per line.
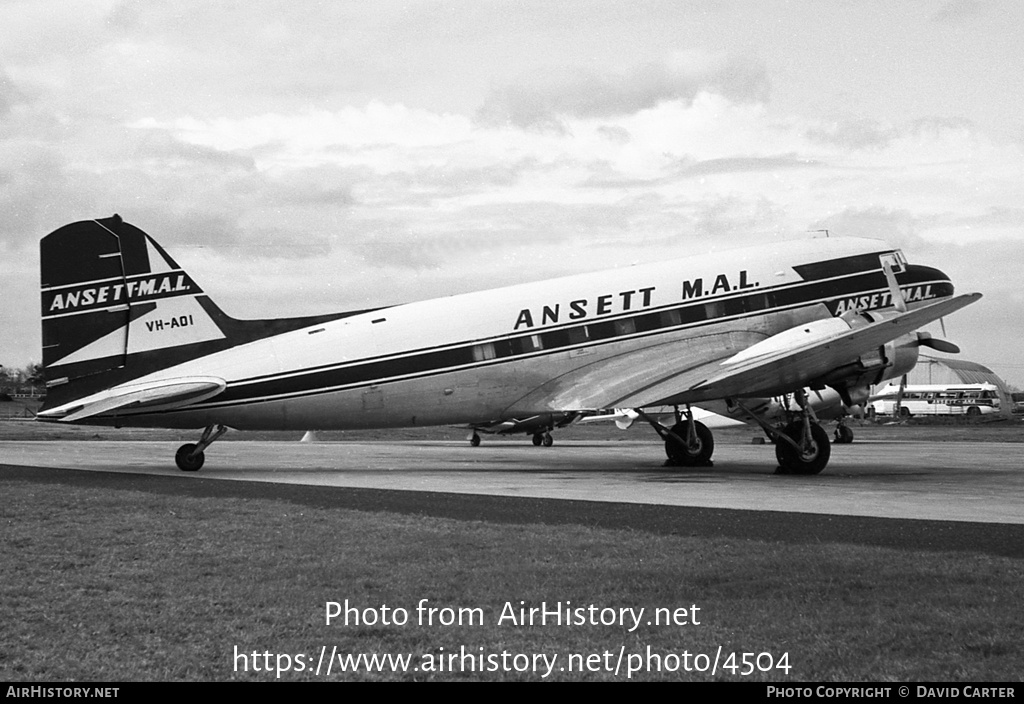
{"x":945,"y":370}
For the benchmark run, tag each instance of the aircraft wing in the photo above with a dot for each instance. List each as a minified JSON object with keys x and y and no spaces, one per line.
{"x":526,"y":424}
{"x":157,"y":395}
{"x":497,"y":427}
{"x":692,"y":370}
{"x":782,"y":370}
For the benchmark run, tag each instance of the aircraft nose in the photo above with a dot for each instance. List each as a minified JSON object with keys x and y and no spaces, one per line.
{"x":932,"y":282}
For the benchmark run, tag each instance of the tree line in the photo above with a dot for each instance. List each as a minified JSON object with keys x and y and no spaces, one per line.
{"x":22,"y":381}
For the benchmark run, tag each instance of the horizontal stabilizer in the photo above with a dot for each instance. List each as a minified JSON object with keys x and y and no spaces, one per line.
{"x":163,"y":395}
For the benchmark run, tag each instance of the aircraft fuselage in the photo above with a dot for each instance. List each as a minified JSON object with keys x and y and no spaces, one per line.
{"x":529,"y":348}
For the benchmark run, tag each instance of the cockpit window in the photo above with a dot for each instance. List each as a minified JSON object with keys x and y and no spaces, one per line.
{"x":897,"y":262}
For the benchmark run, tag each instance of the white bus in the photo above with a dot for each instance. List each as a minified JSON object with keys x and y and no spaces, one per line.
{"x":937,"y":399}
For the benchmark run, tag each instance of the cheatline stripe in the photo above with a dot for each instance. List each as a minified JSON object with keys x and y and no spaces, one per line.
{"x":460,"y":358}
{"x":727,"y":299}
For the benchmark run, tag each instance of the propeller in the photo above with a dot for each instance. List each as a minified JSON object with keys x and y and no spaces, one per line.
{"x":925,"y":339}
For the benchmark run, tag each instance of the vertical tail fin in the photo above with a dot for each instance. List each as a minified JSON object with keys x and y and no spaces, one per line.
{"x":115,"y":306}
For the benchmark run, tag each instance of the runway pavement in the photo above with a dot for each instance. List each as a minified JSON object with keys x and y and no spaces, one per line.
{"x":946,"y":481}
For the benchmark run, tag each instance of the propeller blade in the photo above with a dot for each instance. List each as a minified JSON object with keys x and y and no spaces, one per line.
{"x":926,"y":340}
{"x":894,"y":288}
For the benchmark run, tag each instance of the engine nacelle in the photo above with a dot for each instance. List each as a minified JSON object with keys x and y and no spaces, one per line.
{"x":808,"y":333}
{"x":894,"y":358}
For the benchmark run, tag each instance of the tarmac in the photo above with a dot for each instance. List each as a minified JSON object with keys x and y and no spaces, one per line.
{"x":977,"y":482}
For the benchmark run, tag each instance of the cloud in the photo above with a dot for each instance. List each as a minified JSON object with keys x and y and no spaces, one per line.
{"x":694,"y":168}
{"x":959,"y":11}
{"x":37,"y":193}
{"x":547,"y":97}
{"x":732,"y":165}
{"x":857,"y":133}
{"x":10,"y":94}
{"x":897,"y":227}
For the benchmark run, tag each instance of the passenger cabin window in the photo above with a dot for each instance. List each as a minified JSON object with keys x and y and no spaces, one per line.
{"x":625,"y":327}
{"x":713,"y":310}
{"x":578,"y":335}
{"x":524,"y":345}
{"x":555,"y":338}
{"x":483,"y":352}
{"x":670,"y":318}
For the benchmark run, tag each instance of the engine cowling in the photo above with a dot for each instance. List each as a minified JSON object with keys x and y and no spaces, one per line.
{"x":807,"y":333}
{"x":894,"y":358}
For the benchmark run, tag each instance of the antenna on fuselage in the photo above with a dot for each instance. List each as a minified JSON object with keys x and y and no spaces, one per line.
{"x":825,"y":231}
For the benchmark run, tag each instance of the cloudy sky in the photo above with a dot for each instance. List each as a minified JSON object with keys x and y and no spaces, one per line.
{"x":304,"y":157}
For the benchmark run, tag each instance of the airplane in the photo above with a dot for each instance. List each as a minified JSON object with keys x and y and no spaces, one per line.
{"x":538,"y":427}
{"x":130,"y":339}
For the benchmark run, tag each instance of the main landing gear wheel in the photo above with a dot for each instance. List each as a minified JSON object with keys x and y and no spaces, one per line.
{"x":544,"y":439}
{"x":474,"y":440}
{"x":813,"y":454}
{"x":187,"y":459}
{"x":844,"y":435}
{"x":697,"y":452}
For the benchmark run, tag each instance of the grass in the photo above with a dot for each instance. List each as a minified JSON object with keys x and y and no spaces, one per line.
{"x":130,"y":585}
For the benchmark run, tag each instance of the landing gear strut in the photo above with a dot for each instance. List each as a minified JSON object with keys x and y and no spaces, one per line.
{"x":688,"y":443}
{"x":190,"y":457}
{"x":802,"y":447}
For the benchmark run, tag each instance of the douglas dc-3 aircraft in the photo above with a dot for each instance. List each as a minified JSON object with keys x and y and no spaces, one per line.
{"x":129,"y":339}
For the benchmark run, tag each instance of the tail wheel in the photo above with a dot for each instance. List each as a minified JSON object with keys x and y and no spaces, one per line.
{"x":683,"y":455}
{"x":187,"y":459}
{"x":811,"y":458}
